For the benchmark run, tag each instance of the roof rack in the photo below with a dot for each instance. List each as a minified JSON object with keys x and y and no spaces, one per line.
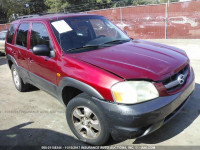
{"x":27,"y":16}
{"x":42,"y":14}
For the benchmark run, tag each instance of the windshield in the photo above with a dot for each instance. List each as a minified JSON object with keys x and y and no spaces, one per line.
{"x":76,"y":34}
{"x":2,"y":35}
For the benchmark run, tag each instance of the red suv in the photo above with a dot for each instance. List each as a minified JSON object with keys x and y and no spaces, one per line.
{"x":110,"y":84}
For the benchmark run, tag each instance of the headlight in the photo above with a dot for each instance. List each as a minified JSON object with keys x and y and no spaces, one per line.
{"x":131,"y":92}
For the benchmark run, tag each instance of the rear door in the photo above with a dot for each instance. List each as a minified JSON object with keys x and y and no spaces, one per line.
{"x":10,"y":48}
{"x":20,"y":48}
{"x":42,"y":68}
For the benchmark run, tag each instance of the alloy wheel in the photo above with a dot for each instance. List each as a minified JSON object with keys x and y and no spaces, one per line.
{"x":16,"y":78}
{"x":86,"y":122}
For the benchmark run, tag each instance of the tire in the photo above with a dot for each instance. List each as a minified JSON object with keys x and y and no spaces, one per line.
{"x":2,"y":54}
{"x":91,"y":127}
{"x":17,"y":80}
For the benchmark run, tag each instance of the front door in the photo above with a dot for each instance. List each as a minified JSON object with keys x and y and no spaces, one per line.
{"x":42,"y":68}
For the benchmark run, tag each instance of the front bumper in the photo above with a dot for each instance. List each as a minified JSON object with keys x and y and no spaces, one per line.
{"x":133,"y":121}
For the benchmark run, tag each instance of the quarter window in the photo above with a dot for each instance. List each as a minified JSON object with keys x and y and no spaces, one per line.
{"x":22,"y":33}
{"x":11,"y":32}
{"x":39,"y":35}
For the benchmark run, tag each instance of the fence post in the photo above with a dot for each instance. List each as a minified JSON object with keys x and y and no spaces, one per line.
{"x":166,"y":19}
{"x":121,"y":15}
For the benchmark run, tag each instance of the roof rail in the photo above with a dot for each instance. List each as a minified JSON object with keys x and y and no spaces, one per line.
{"x":27,"y":16}
{"x":42,"y":14}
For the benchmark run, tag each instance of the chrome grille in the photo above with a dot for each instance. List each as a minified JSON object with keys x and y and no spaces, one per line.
{"x":177,"y":80}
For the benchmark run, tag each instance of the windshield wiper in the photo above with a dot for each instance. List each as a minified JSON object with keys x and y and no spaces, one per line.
{"x":117,"y":41}
{"x":83,"y":47}
{"x":97,"y":46}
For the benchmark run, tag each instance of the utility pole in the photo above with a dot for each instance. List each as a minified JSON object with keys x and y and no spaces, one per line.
{"x":166,"y":19}
{"x":56,"y":6}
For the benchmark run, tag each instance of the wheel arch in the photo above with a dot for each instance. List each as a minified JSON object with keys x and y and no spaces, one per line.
{"x":11,"y":60}
{"x":69,"y":88}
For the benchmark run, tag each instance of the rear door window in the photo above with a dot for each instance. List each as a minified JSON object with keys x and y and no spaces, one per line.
{"x":39,"y":36}
{"x":22,"y":34}
{"x":11,"y":32}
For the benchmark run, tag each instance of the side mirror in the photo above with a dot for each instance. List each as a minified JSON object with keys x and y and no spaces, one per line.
{"x":41,"y":50}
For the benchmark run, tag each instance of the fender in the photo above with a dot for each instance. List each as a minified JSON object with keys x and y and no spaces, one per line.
{"x":11,"y":58}
{"x":67,"y":81}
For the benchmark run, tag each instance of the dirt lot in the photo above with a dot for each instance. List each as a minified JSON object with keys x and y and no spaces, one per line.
{"x":37,"y":119}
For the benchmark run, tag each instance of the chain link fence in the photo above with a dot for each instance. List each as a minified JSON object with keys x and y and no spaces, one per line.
{"x":4,"y":26}
{"x":160,"y":21}
{"x":164,"y":21}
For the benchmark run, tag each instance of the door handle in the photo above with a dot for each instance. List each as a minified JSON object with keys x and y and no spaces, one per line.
{"x":30,"y":59}
{"x":9,"y":48}
{"x":14,"y":53}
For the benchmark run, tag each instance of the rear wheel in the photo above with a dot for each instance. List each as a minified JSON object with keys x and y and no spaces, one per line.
{"x":87,"y":121}
{"x":20,"y":86}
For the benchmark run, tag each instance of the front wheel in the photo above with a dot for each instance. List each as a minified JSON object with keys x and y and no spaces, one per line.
{"x":86,"y":120}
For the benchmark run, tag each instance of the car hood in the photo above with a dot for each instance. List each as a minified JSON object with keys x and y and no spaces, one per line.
{"x":137,"y":59}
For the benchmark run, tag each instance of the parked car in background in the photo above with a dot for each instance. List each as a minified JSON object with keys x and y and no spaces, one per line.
{"x":123,"y":26}
{"x":155,"y":28}
{"x":129,"y":29}
{"x":2,"y":41}
{"x":110,"y":84}
{"x":182,"y":20}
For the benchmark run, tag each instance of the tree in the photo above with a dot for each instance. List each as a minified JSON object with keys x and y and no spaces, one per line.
{"x":11,"y":9}
{"x":166,"y":1}
{"x":174,"y":0}
{"x":3,"y":17}
{"x":36,"y":6}
{"x":145,"y":2}
{"x":78,"y":5}
{"x":86,"y":5}
{"x":56,"y":5}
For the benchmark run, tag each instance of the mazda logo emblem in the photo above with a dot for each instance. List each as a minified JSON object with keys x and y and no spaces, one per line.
{"x":181,"y":79}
